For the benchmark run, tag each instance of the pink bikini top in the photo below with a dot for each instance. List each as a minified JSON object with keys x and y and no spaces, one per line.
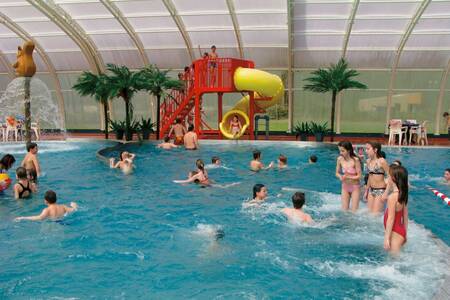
{"x":349,"y":171}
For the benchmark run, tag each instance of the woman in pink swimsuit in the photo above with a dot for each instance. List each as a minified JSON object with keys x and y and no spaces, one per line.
{"x":348,"y":171}
{"x":396,"y":214}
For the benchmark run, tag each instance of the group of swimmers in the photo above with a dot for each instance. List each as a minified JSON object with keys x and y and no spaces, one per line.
{"x":27,"y":184}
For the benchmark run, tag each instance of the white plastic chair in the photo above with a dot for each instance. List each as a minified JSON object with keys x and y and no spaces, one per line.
{"x":11,"y":128}
{"x":396,"y":129}
{"x":36,"y":129}
{"x":420,"y":131}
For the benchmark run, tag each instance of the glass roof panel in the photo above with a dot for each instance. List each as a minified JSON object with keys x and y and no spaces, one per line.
{"x":40,"y":27}
{"x":432,"y":24}
{"x":169,"y":58}
{"x":314,"y":41}
{"x":315,"y":59}
{"x":100,"y":24}
{"x":66,"y":61}
{"x":129,"y":58}
{"x":374,"y":40}
{"x":260,"y":20}
{"x":264,"y":37}
{"x":386,"y":8}
{"x":84,"y":9}
{"x":112,"y":40}
{"x":222,"y":52}
{"x":207,"y":21}
{"x":162,"y":40}
{"x":320,"y":25}
{"x":437,"y":8}
{"x":152,"y":23}
{"x":424,"y":59}
{"x":22,"y":12}
{"x":267,"y":57}
{"x":10,"y":44}
{"x":253,"y":5}
{"x":189,"y":6}
{"x":322,"y":9}
{"x":370,"y":59}
{"x":139,"y":7}
{"x":219,"y":38}
{"x":380,"y":25}
{"x":57,"y":42}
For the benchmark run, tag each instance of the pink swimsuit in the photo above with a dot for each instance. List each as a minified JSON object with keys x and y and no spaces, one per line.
{"x":348,"y":187}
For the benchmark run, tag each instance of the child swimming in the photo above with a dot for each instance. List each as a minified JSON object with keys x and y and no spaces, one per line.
{"x":256,"y":164}
{"x":312,"y":159}
{"x":23,"y":188}
{"x":53,"y":210}
{"x":297,"y":213}
{"x":167,"y":145}
{"x":447,"y":176}
{"x":282,"y":161}
{"x":125,"y":162}
{"x":215,"y":160}
{"x":259,"y":194}
{"x":200,"y":176}
{"x":31,"y":162}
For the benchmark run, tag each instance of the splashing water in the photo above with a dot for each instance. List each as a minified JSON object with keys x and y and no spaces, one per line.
{"x":43,"y":109}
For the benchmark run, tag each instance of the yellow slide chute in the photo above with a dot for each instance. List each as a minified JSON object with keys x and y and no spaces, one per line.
{"x":265,"y":85}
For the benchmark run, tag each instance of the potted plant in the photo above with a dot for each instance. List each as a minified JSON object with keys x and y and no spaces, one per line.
{"x":319,"y":130}
{"x":119,"y":128}
{"x":302,"y":130}
{"x":336,"y":78}
{"x":146,"y":127}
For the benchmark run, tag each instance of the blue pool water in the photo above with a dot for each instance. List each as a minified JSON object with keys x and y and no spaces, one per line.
{"x":142,"y":236}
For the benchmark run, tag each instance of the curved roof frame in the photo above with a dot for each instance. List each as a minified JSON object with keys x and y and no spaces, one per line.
{"x":402,"y":44}
{"x":14,"y":27}
{"x":179,"y":22}
{"x":234,"y":20}
{"x":351,"y":20}
{"x":115,"y":11}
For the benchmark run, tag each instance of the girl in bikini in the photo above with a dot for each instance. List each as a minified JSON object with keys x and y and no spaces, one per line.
{"x":235,"y":125}
{"x":377,"y":168}
{"x":348,"y":171}
{"x":396,"y":214}
{"x":200,"y":176}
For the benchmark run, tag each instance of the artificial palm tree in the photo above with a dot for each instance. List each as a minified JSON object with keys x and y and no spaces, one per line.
{"x":333,"y":79}
{"x":157,"y":83}
{"x":97,"y":86}
{"x":125,"y":83}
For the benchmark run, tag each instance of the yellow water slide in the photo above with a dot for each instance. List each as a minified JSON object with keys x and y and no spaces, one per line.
{"x":265,"y":85}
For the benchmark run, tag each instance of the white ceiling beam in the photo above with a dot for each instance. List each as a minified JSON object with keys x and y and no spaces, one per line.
{"x":234,"y":20}
{"x":351,"y":20}
{"x":115,"y":11}
{"x":47,"y":61}
{"x":180,"y":24}
{"x":408,"y":31}
{"x":290,"y":73}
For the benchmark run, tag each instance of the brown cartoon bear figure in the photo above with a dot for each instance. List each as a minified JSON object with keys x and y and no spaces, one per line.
{"x":25,"y":66}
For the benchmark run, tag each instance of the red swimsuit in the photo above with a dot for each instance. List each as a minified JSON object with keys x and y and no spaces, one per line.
{"x":399,"y":225}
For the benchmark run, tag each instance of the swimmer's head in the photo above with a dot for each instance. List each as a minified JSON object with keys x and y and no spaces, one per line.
{"x":235,"y":118}
{"x":166,"y":139}
{"x":32,"y":147}
{"x":346,"y":148}
{"x":219,"y":234}
{"x":397,"y":162}
{"x":259,"y":191}
{"x":445,"y":114}
{"x":186,"y":69}
{"x":213,"y":48}
{"x":399,"y":176}
{"x":447,"y":174}
{"x":215,"y":160}
{"x":313,"y":159}
{"x":205,"y":55}
{"x":50,"y":197}
{"x":123,"y":155}
{"x":191,"y":127}
{"x":282,"y":159}
{"x":7,"y":161}
{"x":373,"y":149}
{"x":298,"y":200}
{"x":256,"y":154}
{"x":21,"y":173}
{"x":200,"y":164}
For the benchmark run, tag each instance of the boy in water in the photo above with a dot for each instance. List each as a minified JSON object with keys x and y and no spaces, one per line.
{"x":215,"y":160}
{"x":23,"y":188}
{"x":282,"y":162}
{"x":296,"y":213}
{"x":256,"y":164}
{"x":191,"y":140}
{"x":447,"y":176}
{"x":53,"y":210}
{"x":125,"y":162}
{"x":31,"y":162}
{"x":179,"y":131}
{"x":167,"y":145}
{"x":312,"y":159}
{"x":259,"y":194}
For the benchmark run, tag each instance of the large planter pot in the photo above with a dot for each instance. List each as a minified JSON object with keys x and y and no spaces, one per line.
{"x":145,"y":135}
{"x":319,"y":137}
{"x":129,"y":135}
{"x":119,"y":135}
{"x":302,"y":137}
